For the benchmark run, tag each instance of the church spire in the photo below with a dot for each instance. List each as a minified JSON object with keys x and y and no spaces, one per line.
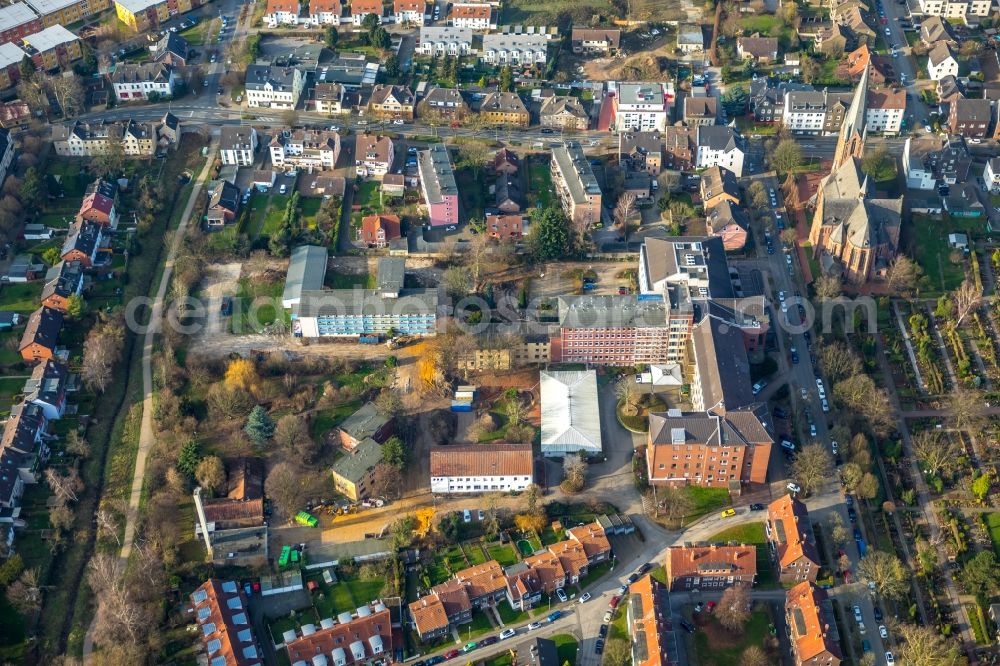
{"x":850,"y":142}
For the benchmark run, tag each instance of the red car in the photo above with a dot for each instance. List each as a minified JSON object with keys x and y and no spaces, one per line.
{"x":613,"y":604}
{"x":256,"y":586}
{"x":711,"y":606}
{"x":451,"y":654}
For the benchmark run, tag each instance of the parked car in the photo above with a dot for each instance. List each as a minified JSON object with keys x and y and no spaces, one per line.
{"x":467,"y":516}
{"x":470,"y":646}
{"x":729,"y":513}
{"x":599,"y":646}
{"x":603,"y":631}
{"x":644,"y":568}
{"x":561,"y":594}
{"x":889,"y":659}
{"x":698,"y":607}
{"x":710,"y":606}
{"x":882,"y":631}
{"x":613,"y":604}
{"x":507,"y":633}
{"x":608,"y":615}
{"x":687,"y":626}
{"x":756,"y":506}
{"x":794,"y":487}
{"x":534,"y":625}
{"x":633,"y":577}
{"x":585,"y":598}
{"x":451,"y":654}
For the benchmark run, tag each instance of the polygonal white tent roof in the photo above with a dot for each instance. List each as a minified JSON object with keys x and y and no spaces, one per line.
{"x":571,"y":418}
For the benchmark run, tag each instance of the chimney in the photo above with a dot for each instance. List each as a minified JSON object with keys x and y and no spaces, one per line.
{"x":200,"y":508}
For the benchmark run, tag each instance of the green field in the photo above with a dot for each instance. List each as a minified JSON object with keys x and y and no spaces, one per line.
{"x":324,"y":420}
{"x":275,"y":214}
{"x":20,"y":296}
{"x":527,"y":12}
{"x":503,"y":553}
{"x":539,"y":182}
{"x":929,"y":247}
{"x":993,"y":526}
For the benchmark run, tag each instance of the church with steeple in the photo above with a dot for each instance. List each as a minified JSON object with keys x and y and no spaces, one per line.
{"x":854,"y":234}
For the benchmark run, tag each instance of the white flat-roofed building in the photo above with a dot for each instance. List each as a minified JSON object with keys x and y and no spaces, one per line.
{"x":479,"y":469}
{"x":445,"y":40}
{"x":571,"y":419}
{"x":640,"y":107}
{"x":515,"y":49}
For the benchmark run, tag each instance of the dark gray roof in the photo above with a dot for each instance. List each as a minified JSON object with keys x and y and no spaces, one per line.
{"x":391,"y":274}
{"x":84,"y":236}
{"x":47,"y":382}
{"x":719,"y":137}
{"x":365,"y":422}
{"x":235,"y":137}
{"x":355,"y":464}
{"x":722,"y":364}
{"x":63,"y":279}
{"x":279,"y":78}
{"x":173,"y":44}
{"x":348,"y":302}
{"x":306,"y":272}
{"x":610,"y":311}
{"x":43,"y":328}
{"x":226,"y":196}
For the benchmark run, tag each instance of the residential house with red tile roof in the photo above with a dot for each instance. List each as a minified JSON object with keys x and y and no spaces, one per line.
{"x":325,"y":12}
{"x":282,"y":12}
{"x":710,"y":567}
{"x":789,"y":536}
{"x":812,"y":628}
{"x":648,"y":615}
{"x":38,"y":342}
{"x":505,"y":227}
{"x":365,"y":638}
{"x":549,"y":570}
{"x":220,"y":609}
{"x":475,"y":16}
{"x":378,"y":230}
{"x":99,"y":203}
{"x":411,"y":12}
{"x":594,"y":540}
{"x":524,"y":586}
{"x":362,"y":8}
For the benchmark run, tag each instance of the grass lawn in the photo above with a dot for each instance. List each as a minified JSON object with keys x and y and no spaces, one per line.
{"x":993,"y":525}
{"x":509,"y":615}
{"x":369,"y":196}
{"x":20,"y":296}
{"x":479,"y":626}
{"x":566,"y":647}
{"x":504,"y":554}
{"x":706,"y":500}
{"x":751,"y":534}
{"x":539,"y":182}
{"x":9,"y":387}
{"x":258,"y":209}
{"x":275,"y":214}
{"x":529,"y":12}
{"x":762,"y":24}
{"x":593,"y":574}
{"x":475,"y":554}
{"x":929,"y":246}
{"x":324,"y":420}
{"x":714,"y":645}
{"x":308,"y":209}
{"x":471,"y":188}
{"x":345,"y":594}
{"x":264,"y":312}
{"x":349,"y":280}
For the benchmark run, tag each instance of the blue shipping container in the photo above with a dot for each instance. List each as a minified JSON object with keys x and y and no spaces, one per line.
{"x":461,"y":406}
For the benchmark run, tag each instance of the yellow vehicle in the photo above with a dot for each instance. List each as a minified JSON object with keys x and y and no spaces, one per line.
{"x":729,"y":513}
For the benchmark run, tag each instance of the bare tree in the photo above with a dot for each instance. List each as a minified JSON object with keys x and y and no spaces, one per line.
{"x":69,"y":93}
{"x":623,"y":209}
{"x":25,"y":593}
{"x":285,"y":485}
{"x":967,"y":298}
{"x":66,"y":487}
{"x":618,"y":652}
{"x":101,"y":350}
{"x":838,"y":361}
{"x":812,"y":467}
{"x":890,"y":578}
{"x":733,"y":610}
{"x":935,"y":452}
{"x":211,"y":474}
{"x":388,"y":481}
{"x":477,"y":256}
{"x":628,"y":392}
{"x":672,"y":501}
{"x":827,"y":287}
{"x":966,"y":408}
{"x":77,"y":445}
{"x":904,"y":275}
{"x":574,"y":472}
{"x":107,"y":525}
{"x":754,"y":656}
{"x":925,"y":646}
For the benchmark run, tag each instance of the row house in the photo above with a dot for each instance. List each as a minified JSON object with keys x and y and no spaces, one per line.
{"x":680,"y":148}
{"x":133,"y":81}
{"x":477,"y":469}
{"x":515,"y":49}
{"x":238,"y":145}
{"x":812,"y":626}
{"x":362,"y":8}
{"x":641,"y":152}
{"x":438,"y":186}
{"x":575,"y":184}
{"x":63,"y":281}
{"x":334,"y":99}
{"x":814,"y":111}
{"x":700,"y":111}
{"x":282,"y":12}
{"x":99,"y":203}
{"x":451,"y":603}
{"x":410,"y":12}
{"x":66,"y":12}
{"x":934,"y":29}
{"x":474,"y":16}
{"x":373,"y":155}
{"x":307,"y":149}
{"x":648,"y":618}
{"x":505,"y":227}
{"x":273,"y":87}
{"x":789,"y":538}
{"x":47,"y":387}
{"x":389,"y":102}
{"x":767,"y":98}
{"x":41,"y":335}
{"x":225,"y":630}
{"x":718,"y":185}
{"x":51,"y":48}
{"x":355,"y":639}
{"x":323,"y":13}
{"x":710,"y":567}
{"x":83,"y":243}
{"x":22,"y":453}
{"x":563,"y":112}
{"x":438,"y":41}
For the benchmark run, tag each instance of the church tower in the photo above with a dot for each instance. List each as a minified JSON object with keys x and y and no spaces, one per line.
{"x":851,"y":140}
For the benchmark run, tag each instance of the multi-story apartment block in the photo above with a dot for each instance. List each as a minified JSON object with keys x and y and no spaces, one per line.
{"x":53,"y":47}
{"x":325,"y":12}
{"x":446,"y":102}
{"x":65,"y":12}
{"x":930,"y":161}
{"x":812,"y":626}
{"x":153,"y":79}
{"x":720,"y":146}
{"x":814,"y":111}
{"x":969,"y":11}
{"x":474,"y":16}
{"x":615,"y":330}
{"x":504,"y":108}
{"x":6,"y":154}
{"x":80,"y":139}
{"x":789,"y":538}
{"x":477,"y":469}
{"x":354,"y":473}
{"x":391,"y":102}
{"x":224,"y":626}
{"x":409,"y":12}
{"x":143,"y":15}
{"x":563,"y":112}
{"x":941,"y":62}
{"x":306,"y":149}
{"x":437,"y":184}
{"x":11,"y":57}
{"x":970,"y":118}
{"x":710,"y":567}
{"x":17,"y":21}
{"x":575,"y":184}
{"x":445,"y":41}
{"x":355,"y":639}
{"x":639,"y":107}
{"x":767,"y":98}
{"x":354,"y":312}
{"x":648,"y":620}
{"x":515,"y":49}
{"x":373,"y":155}
{"x":238,"y":145}
{"x":273,"y":87}
{"x":282,"y":12}
{"x":885,"y":110}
